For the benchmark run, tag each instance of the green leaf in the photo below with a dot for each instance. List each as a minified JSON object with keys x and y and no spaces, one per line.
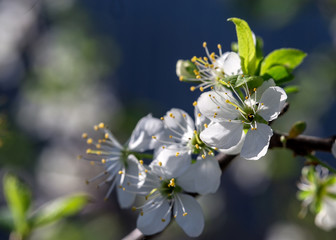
{"x":246,"y":46}
{"x":252,"y":81}
{"x":18,"y":197}
{"x":287,"y":57}
{"x":279,"y":74}
{"x":291,"y":89}
{"x":58,"y":209}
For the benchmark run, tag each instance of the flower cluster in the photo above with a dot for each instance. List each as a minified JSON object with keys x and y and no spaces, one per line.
{"x":318,"y":192}
{"x":170,"y":160}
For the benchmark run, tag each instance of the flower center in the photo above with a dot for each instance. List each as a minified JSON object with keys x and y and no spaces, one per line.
{"x":169,"y":188}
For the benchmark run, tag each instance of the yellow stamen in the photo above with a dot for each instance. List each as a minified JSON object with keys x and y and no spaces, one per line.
{"x":194,"y":103}
{"x":185,"y":214}
{"x":103,"y":161}
{"x":84,"y":135}
{"x":101,"y":125}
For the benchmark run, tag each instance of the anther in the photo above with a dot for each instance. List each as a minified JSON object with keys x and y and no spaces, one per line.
{"x":92,"y":163}
{"x":170,"y":136}
{"x":98,"y":146}
{"x":153,"y":137}
{"x":205,"y":125}
{"x":95,"y":127}
{"x":162,"y":118}
{"x":204,"y":44}
{"x":197,"y":146}
{"x":160,"y":164}
{"x":185,"y":214}
{"x":88,"y":151}
{"x":203,"y":156}
{"x":181,"y":78}
{"x":199,"y":115}
{"x":194,"y":103}
{"x":254,"y":89}
{"x":89,"y":141}
{"x":141,"y":162}
{"x":120,"y":172}
{"x":219,"y":46}
{"x":184,"y":115}
{"x":177,"y":154}
{"x":163,"y":220}
{"x":106,"y":135}
{"x":84,"y":135}
{"x":201,"y":89}
{"x":192,"y":88}
{"x":134,"y":209}
{"x":103,"y":161}
{"x":101,"y":125}
{"x":141,"y":213}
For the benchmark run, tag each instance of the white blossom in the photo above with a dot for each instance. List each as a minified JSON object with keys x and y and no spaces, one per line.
{"x":181,"y":144}
{"x":121,"y":165}
{"x":241,"y":125}
{"x":165,"y":198}
{"x":318,"y":191}
{"x":213,"y":69}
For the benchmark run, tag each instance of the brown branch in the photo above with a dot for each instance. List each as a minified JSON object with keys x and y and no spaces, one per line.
{"x":301,"y":145}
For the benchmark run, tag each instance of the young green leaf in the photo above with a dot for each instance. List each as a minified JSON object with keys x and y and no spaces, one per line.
{"x":279,"y":74}
{"x":246,"y":46}
{"x":58,"y":209}
{"x":291,"y":89}
{"x":18,"y":197}
{"x":287,"y":57}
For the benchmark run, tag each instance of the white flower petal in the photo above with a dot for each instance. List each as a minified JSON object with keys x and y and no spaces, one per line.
{"x":173,"y":159}
{"x":151,"y":221}
{"x":256,"y":142}
{"x":200,"y":119}
{"x":129,"y":183}
{"x":261,"y":89}
{"x":273,"y":100}
{"x":236,"y":148}
{"x":213,"y":106}
{"x":223,"y":135}
{"x":125,"y":199}
{"x":202,"y":177}
{"x":193,"y":223}
{"x":326,"y":218}
{"x":179,"y":122}
{"x":141,"y":138}
{"x":229,"y":63}
{"x":333,"y":149}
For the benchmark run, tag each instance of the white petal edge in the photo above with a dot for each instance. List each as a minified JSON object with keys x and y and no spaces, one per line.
{"x":256,"y":142}
{"x":213,"y":106}
{"x":141,"y":138}
{"x":224,"y":135}
{"x":273,"y":100}
{"x":193,"y":223}
{"x":202,"y":177}
{"x":151,"y":222}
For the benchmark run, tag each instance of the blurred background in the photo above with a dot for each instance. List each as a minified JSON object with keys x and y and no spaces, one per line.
{"x":66,"y":65}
